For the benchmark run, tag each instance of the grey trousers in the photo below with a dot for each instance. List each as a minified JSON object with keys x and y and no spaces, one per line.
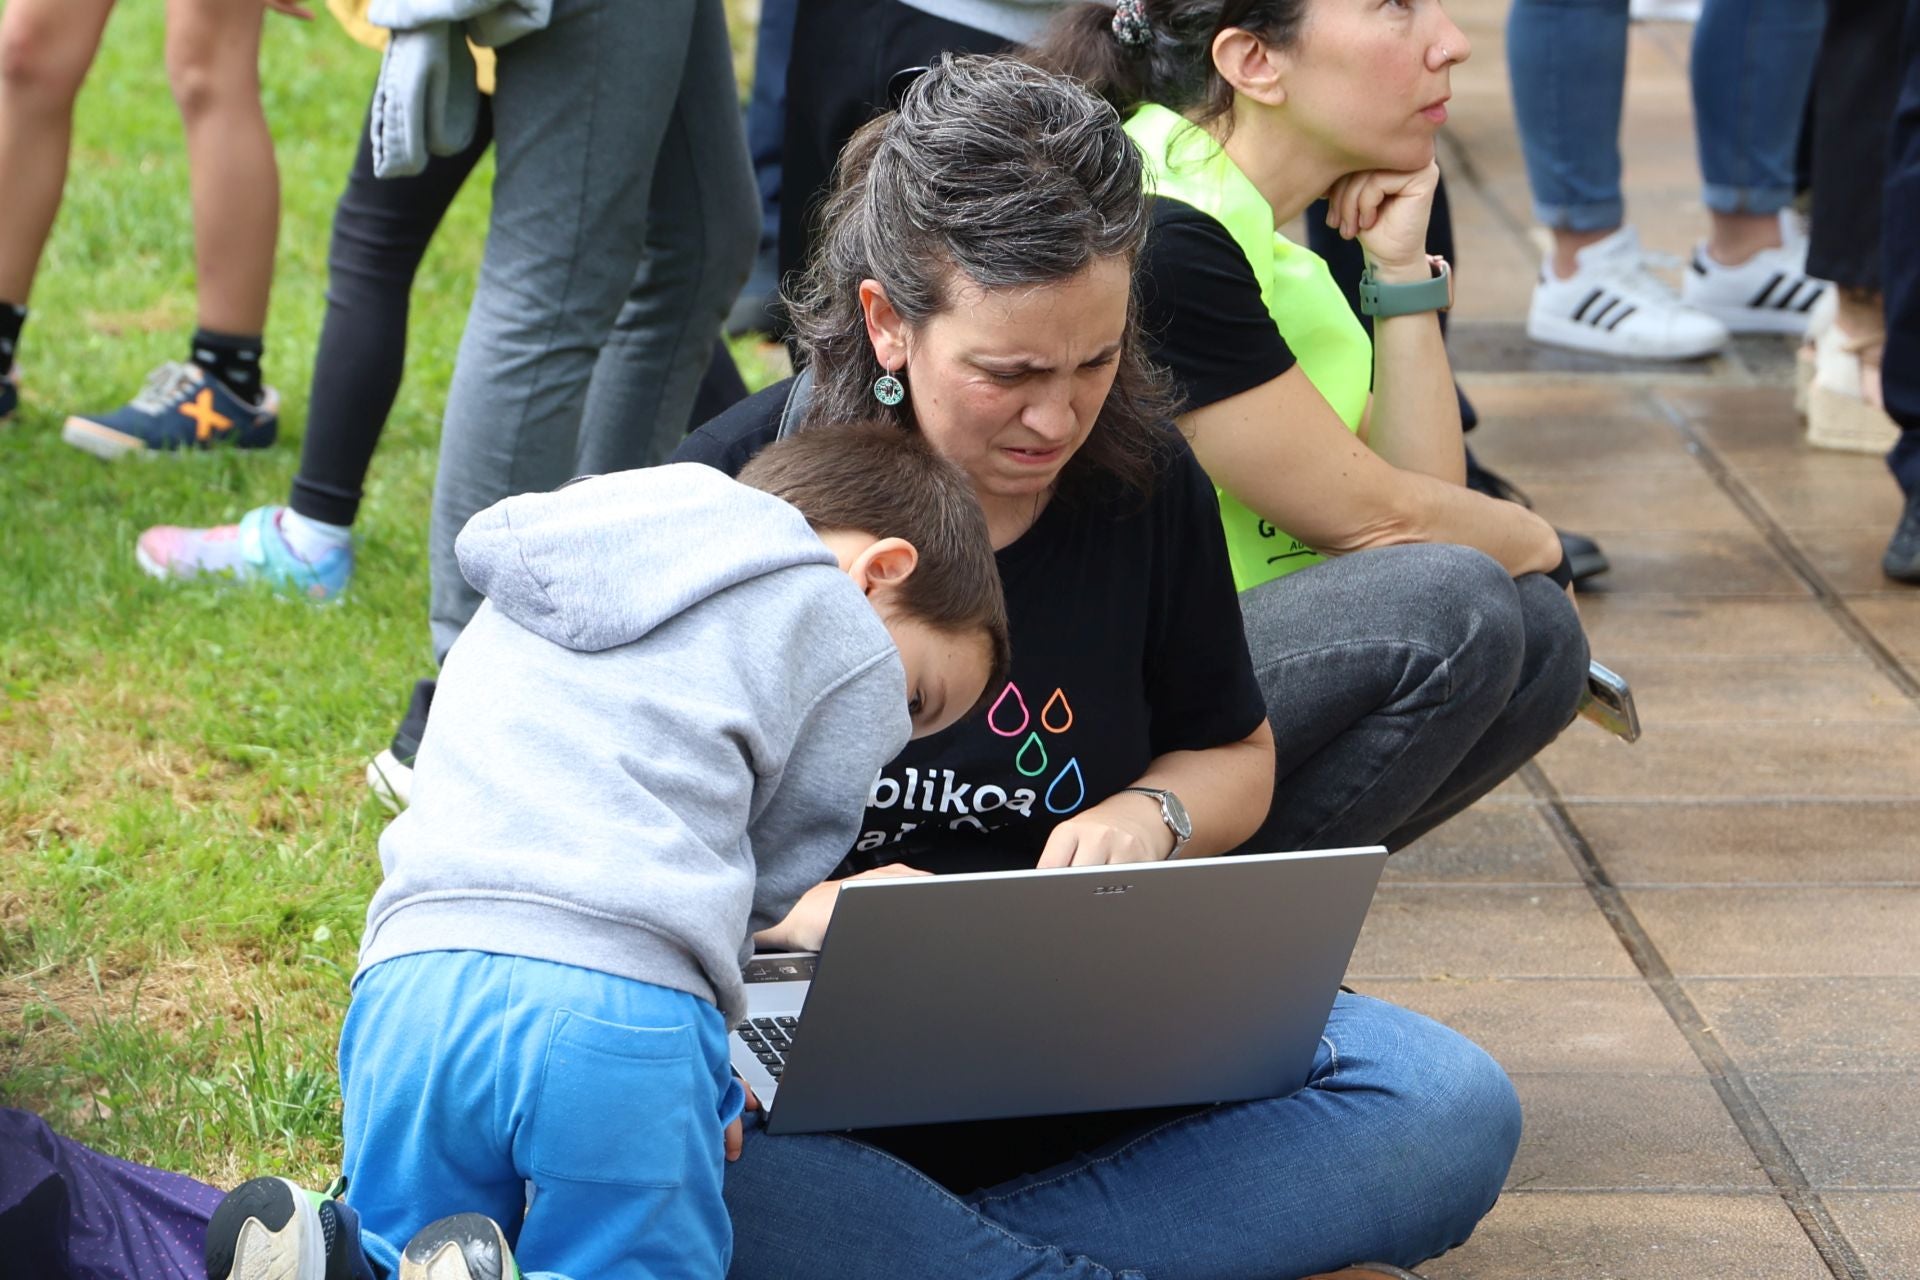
{"x":625,"y":218}
{"x":1402,"y":685}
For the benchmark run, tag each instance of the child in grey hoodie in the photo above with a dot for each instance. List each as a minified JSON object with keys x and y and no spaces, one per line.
{"x":657,"y":733}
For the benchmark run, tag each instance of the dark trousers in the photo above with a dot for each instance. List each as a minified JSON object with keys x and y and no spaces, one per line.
{"x":1858,"y":77}
{"x":844,"y":54}
{"x":381,"y":229}
{"x":1900,"y":244}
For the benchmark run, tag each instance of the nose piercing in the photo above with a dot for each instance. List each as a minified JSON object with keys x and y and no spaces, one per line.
{"x":1446,"y":54}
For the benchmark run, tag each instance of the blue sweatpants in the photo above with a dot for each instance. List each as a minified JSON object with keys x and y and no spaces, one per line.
{"x":582,"y":1112}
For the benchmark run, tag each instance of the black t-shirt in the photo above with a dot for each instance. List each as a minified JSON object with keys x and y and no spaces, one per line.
{"x":1127,"y":644}
{"x":1201,"y":309}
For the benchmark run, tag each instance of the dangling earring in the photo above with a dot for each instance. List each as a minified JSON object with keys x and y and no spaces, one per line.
{"x":889,"y":390}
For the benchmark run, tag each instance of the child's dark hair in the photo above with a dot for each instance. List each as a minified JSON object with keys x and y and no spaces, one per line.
{"x":1170,"y":60}
{"x":879,"y":478}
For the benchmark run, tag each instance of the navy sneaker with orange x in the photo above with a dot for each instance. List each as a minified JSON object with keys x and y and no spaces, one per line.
{"x":181,"y":407}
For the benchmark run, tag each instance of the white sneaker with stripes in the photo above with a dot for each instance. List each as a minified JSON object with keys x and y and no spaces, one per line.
{"x":1770,"y":292}
{"x":1614,"y":305}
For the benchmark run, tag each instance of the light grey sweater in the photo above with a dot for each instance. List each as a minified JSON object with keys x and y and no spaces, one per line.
{"x":657,"y":733}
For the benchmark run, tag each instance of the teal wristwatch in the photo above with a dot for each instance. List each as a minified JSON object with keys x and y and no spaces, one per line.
{"x":1386,"y":300}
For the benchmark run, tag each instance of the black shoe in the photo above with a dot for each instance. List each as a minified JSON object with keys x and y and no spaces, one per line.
{"x":1902,"y":561}
{"x":1585,"y":559}
{"x":390,"y":774}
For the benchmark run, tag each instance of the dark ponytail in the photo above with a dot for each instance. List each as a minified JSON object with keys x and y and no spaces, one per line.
{"x":1174,"y":65}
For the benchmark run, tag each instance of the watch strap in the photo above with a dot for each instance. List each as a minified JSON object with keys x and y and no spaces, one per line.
{"x":1166,"y":815}
{"x":1383,"y":300}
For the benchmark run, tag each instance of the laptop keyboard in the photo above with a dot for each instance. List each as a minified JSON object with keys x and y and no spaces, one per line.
{"x":770,"y":1039}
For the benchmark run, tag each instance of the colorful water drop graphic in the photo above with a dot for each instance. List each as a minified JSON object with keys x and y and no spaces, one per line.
{"x":1071,"y":774}
{"x":994,"y":714}
{"x":1057,"y":706}
{"x":1030,"y":749}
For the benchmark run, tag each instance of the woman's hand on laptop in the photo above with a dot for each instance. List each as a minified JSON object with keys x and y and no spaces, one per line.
{"x":806,"y":925}
{"x":1122,"y":828}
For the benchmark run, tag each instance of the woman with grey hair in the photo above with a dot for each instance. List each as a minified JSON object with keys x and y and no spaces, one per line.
{"x":973,"y":276}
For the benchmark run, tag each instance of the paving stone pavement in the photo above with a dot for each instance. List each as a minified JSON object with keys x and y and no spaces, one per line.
{"x":1695,"y":955}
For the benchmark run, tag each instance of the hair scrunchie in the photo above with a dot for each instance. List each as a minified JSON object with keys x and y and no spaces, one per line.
{"x":1130,"y":24}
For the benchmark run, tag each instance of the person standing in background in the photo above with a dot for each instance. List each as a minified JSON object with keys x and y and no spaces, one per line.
{"x":215,"y":396}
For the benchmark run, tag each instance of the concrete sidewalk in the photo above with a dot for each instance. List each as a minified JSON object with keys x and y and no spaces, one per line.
{"x":1696,"y":955}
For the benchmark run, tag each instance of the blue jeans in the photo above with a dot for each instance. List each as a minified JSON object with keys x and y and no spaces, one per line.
{"x":1393,"y":1151}
{"x":1752,"y":65}
{"x":582,"y":1112}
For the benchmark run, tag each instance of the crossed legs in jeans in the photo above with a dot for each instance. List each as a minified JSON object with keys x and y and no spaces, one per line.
{"x":1403,"y":684}
{"x":1393,"y":1152}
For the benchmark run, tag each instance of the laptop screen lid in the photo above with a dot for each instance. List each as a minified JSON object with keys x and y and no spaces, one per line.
{"x":1002,"y":994}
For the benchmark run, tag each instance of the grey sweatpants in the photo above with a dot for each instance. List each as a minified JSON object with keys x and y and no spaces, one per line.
{"x":1402,"y":685}
{"x":625,"y":218}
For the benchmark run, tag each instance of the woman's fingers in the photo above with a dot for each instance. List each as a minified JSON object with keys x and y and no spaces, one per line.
{"x":736,"y":1138}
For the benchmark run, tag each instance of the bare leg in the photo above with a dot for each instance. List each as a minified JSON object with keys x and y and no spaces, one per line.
{"x":213,"y":63}
{"x":1567,"y":243}
{"x":1736,"y":237}
{"x":46,"y":47}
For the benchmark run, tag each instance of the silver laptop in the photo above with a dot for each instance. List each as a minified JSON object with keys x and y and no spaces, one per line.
{"x":1016,"y":993}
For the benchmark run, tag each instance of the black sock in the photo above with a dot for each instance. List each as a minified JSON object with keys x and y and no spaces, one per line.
{"x":233,"y":359}
{"x":11,"y":318}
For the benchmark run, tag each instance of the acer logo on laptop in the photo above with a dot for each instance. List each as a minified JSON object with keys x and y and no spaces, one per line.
{"x":1103,"y":890}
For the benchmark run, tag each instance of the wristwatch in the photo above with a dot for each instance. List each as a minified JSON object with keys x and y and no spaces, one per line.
{"x":1173,"y":813}
{"x":1378,"y":298}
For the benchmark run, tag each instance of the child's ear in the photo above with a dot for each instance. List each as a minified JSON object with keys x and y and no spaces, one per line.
{"x":886,"y":330}
{"x":887,"y":563}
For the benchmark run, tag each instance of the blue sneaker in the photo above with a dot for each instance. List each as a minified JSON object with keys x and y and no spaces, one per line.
{"x":270,"y":1227}
{"x":255,"y":550}
{"x":9,"y":394}
{"x":179,"y":408}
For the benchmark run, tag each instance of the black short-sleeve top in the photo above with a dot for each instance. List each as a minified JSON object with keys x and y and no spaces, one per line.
{"x":1127,"y":644}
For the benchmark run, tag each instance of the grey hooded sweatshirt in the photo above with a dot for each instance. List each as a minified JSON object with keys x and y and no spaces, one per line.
{"x":656,"y":734}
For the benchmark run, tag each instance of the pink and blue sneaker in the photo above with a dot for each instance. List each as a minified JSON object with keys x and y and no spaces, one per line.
{"x":181,"y":407}
{"x":255,"y":550}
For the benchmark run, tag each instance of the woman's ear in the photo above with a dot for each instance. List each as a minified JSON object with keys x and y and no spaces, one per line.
{"x":1254,"y":68}
{"x":887,"y":563}
{"x":886,"y":330}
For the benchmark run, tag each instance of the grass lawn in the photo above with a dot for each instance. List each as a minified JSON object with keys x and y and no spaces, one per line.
{"x":186,"y":846}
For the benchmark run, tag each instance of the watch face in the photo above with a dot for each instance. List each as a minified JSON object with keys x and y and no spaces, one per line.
{"x":1177,"y":815}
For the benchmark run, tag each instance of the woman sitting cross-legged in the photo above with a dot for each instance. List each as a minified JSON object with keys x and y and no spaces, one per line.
{"x":974,"y":272}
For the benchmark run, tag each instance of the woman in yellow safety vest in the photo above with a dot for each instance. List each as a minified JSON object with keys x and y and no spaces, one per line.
{"x":1416,"y":641}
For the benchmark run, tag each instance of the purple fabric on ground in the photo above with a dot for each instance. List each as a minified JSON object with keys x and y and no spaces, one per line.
{"x":69,"y":1213}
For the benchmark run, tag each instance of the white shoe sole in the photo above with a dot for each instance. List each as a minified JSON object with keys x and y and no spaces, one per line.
{"x":1757,"y":319}
{"x":1575,"y":336}
{"x":101,"y":442}
{"x":390,"y":781}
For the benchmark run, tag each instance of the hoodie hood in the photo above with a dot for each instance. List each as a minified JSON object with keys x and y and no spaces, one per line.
{"x":601,"y":562}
